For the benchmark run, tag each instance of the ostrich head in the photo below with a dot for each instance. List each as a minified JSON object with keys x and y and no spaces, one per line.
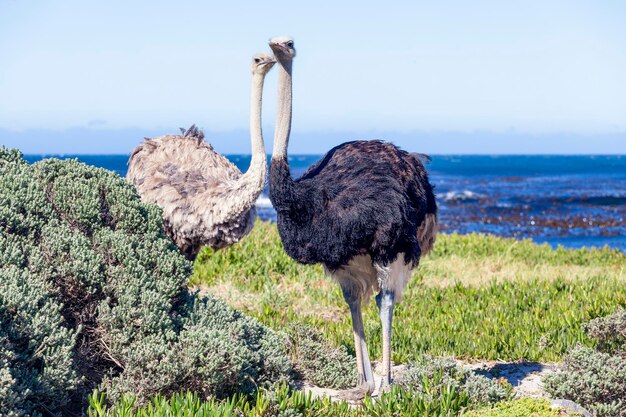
{"x":262,"y":63}
{"x":283,"y":47}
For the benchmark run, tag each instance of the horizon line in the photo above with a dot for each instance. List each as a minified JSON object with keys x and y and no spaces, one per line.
{"x":403,"y":131}
{"x":269,"y":155}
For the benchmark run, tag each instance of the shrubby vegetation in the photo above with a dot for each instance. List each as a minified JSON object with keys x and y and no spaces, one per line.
{"x":320,"y":363}
{"x":596,"y":379}
{"x":439,"y":374}
{"x":610,"y":332}
{"x":93,"y":294}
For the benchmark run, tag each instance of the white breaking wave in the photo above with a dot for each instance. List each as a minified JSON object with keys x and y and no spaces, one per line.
{"x":465,"y":195}
{"x":264,"y":202}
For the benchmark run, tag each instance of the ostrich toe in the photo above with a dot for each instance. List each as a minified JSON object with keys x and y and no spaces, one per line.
{"x":356,"y":394}
{"x":384,"y":386}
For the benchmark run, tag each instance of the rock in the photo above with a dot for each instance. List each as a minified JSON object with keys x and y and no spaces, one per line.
{"x":525,"y":377}
{"x":570,"y":407}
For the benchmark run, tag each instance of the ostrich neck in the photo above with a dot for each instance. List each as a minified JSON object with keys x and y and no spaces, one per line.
{"x":283,"y":192}
{"x":241,"y":195}
{"x":283,"y":111}
{"x":256,"y":133}
{"x":253,"y":180}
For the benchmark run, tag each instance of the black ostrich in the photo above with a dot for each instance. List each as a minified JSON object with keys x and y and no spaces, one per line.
{"x":366,"y":211}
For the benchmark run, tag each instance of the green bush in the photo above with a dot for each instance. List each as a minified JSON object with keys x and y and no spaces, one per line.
{"x":596,"y":379}
{"x":93,"y":294}
{"x":320,"y":363}
{"x":430,"y":375}
{"x":525,"y":407}
{"x":36,"y":366}
{"x":609,"y":331}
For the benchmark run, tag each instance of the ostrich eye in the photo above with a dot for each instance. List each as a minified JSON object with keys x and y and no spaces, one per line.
{"x":290,"y":44}
{"x":257,"y":60}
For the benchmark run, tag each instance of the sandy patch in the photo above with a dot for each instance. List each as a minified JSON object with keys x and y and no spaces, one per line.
{"x":525,"y":377}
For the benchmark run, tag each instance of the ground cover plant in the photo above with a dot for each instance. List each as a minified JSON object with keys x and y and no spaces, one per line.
{"x":461,"y":301}
{"x":92,"y":294}
{"x":434,"y":388}
{"x":298,"y":404}
{"x":525,"y":407}
{"x":596,"y":378}
{"x":318,"y":362}
{"x":428,"y":374}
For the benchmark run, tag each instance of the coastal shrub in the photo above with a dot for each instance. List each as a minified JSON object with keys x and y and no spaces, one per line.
{"x":93,"y":294}
{"x":609,"y":331}
{"x":428,"y":375}
{"x":320,"y":363}
{"x":36,"y":358}
{"x":595,"y":379}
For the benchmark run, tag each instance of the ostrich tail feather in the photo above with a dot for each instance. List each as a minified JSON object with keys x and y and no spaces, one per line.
{"x":427,"y":233}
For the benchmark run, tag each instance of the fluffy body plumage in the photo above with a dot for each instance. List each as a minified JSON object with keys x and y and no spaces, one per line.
{"x":362,"y":197}
{"x":197,"y":188}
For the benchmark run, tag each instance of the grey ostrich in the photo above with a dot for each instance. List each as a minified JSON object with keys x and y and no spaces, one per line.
{"x":205,"y":199}
{"x":366,"y":211}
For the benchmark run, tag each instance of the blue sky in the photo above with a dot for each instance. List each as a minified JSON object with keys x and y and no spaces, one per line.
{"x":439,"y":77}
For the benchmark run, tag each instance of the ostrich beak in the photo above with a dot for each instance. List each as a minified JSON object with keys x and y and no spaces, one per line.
{"x":277,"y":46}
{"x":266,"y":61}
{"x":274,"y":46}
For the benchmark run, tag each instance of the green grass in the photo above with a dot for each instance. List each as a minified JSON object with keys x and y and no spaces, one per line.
{"x":476,"y":296}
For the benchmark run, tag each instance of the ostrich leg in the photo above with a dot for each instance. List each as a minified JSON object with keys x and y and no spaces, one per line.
{"x":365,"y":384}
{"x":385,"y":300}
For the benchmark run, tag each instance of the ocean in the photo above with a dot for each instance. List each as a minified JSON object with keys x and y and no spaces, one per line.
{"x":573,"y":201}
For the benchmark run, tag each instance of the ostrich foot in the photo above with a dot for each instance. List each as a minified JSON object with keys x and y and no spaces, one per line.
{"x":356,"y":394}
{"x":384,"y":386}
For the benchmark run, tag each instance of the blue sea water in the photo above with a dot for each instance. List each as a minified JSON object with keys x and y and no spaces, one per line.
{"x":573,"y":201}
